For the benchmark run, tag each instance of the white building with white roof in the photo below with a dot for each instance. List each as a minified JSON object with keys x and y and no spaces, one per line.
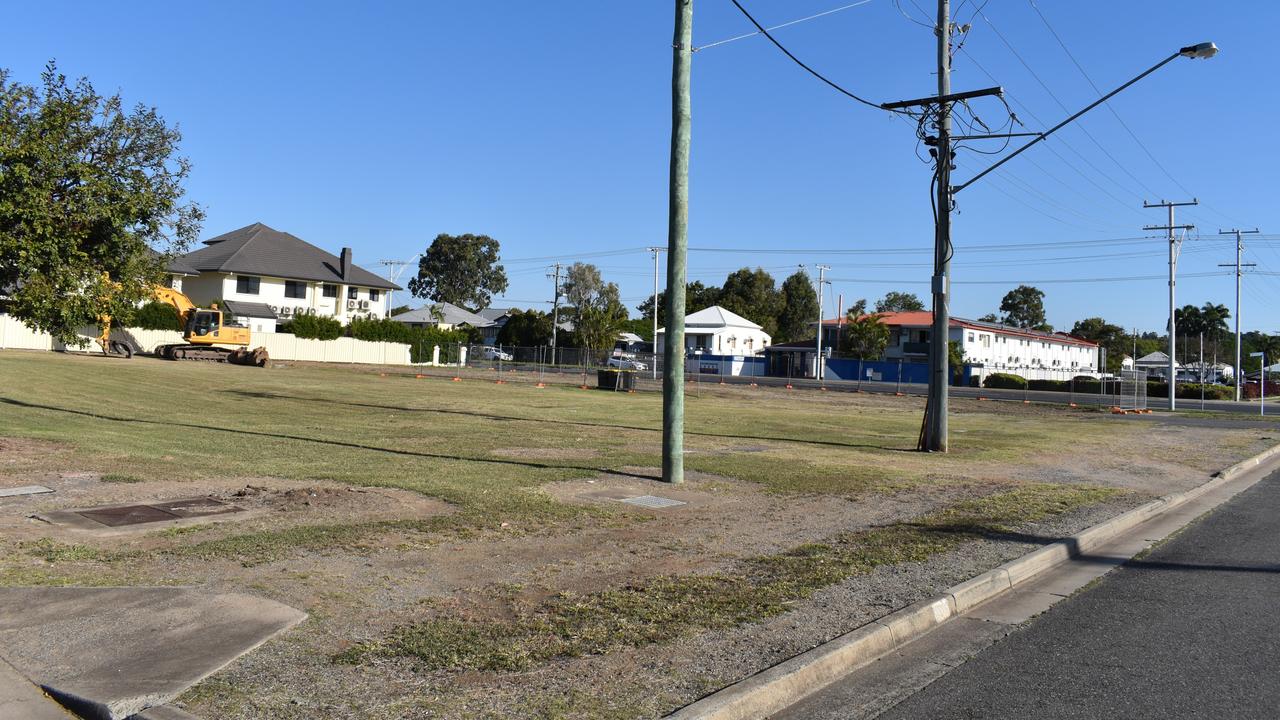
{"x":716,"y":331}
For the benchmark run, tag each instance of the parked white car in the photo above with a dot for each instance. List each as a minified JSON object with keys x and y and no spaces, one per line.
{"x":626,"y":364}
{"x":492,"y":353}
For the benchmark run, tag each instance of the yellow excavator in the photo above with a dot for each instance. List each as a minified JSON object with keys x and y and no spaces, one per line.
{"x":205,"y":334}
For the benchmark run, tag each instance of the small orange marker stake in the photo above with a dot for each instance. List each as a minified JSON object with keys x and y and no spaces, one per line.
{"x":457,"y":379}
{"x":540,"y":385}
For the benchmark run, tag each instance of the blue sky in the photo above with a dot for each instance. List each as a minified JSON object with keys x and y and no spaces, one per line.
{"x":546,"y":125}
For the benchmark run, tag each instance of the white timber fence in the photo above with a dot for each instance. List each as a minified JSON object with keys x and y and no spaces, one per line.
{"x":280,"y":346}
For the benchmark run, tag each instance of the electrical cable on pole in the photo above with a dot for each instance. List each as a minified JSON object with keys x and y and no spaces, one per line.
{"x":817,"y":361}
{"x":1174,"y":245}
{"x":555,"y":313}
{"x":654,"y":359}
{"x":1239,"y":369}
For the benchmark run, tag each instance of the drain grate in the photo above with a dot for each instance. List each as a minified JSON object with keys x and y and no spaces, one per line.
{"x":120,"y":515}
{"x":127,"y":515}
{"x":653,"y":501}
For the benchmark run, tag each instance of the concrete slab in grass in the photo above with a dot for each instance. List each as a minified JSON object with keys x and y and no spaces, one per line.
{"x":108,"y":653}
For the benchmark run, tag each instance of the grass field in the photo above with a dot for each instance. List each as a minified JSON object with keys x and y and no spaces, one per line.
{"x":484,"y":567}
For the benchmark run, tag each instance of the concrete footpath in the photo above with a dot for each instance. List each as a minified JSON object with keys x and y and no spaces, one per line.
{"x":1190,"y":630}
{"x":109,"y":653}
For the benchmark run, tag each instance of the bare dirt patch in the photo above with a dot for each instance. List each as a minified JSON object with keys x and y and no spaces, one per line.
{"x":546,"y":453}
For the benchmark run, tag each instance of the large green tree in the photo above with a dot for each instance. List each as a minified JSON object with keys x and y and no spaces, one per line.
{"x":460,"y":269}
{"x":91,"y":203}
{"x":528,"y":328}
{"x":1023,"y":307}
{"x":1112,"y":337}
{"x":697,"y":296}
{"x":899,"y":302}
{"x":594,"y":307}
{"x":799,"y":308}
{"x":753,"y":295}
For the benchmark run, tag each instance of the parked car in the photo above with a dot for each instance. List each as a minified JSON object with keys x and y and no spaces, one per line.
{"x":626,"y":364}
{"x":492,"y":353}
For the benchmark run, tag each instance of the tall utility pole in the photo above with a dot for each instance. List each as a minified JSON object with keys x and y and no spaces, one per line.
{"x":817,"y":361}
{"x":1173,"y":282}
{"x":677,"y":246}
{"x":1239,"y":369}
{"x":655,"y":251}
{"x":555,"y":313}
{"x":933,"y":436}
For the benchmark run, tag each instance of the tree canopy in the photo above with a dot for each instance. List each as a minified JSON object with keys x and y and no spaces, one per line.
{"x":753,"y":295}
{"x":1023,"y":307}
{"x":1111,"y":337}
{"x":597,"y":313}
{"x":528,"y":328}
{"x":460,"y":269}
{"x":865,"y":336}
{"x":91,"y":203}
{"x":899,"y":302}
{"x":697,"y":296}
{"x":799,"y":308}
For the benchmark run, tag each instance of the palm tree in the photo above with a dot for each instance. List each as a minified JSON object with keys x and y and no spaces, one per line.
{"x":1190,"y":322}
{"x":1215,"y":323}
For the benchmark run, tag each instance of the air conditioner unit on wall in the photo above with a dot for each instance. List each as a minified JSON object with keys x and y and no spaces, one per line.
{"x":351,"y":304}
{"x":364,"y":304}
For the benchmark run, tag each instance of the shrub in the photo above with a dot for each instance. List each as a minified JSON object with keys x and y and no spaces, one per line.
{"x":1191,"y":391}
{"x":380,"y":330}
{"x":1006,"y":381}
{"x":419,"y":340}
{"x":314,"y":327}
{"x":156,"y":315}
{"x":1050,"y":385}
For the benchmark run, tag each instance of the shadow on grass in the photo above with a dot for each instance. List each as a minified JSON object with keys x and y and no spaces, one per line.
{"x":320,"y":441}
{"x":515,"y":418}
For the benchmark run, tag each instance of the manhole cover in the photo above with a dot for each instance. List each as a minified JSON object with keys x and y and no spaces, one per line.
{"x":128,"y":515}
{"x":653,"y":501}
{"x":158,"y":512}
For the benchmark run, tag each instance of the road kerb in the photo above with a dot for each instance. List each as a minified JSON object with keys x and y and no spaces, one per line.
{"x":788,"y":682}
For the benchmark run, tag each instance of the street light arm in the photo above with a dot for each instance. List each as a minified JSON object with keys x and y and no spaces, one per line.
{"x":1057,"y":127}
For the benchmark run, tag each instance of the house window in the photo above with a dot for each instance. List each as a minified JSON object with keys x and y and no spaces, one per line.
{"x":329,"y":290}
{"x":353,"y":293}
{"x":248,"y":284}
{"x":295,"y":289}
{"x":374,"y":295}
{"x":970,"y":337}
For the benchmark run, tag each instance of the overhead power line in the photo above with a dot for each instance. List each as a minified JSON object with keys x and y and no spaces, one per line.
{"x":763,"y":31}
{"x":779,"y":27}
{"x":1042,"y":281}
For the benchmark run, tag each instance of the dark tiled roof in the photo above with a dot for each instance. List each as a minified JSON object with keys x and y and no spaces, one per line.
{"x":260,"y":250}
{"x":249,"y":309}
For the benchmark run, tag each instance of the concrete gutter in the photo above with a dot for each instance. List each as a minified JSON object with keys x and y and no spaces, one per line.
{"x":788,"y":682}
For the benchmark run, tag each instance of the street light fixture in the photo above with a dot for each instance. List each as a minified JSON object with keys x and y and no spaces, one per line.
{"x":933,"y":433}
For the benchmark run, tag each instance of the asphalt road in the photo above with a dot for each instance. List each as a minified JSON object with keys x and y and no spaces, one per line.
{"x":1190,"y":631}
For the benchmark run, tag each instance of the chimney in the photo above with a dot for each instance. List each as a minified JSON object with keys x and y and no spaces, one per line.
{"x":345,"y":264}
